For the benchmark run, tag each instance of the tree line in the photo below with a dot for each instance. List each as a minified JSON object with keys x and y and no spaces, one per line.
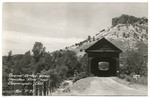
{"x":60,"y":65}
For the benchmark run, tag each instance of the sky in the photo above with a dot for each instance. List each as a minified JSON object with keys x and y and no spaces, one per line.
{"x":58,"y":25}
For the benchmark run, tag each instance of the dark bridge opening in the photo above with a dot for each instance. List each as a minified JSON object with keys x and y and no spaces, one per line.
{"x":103,"y":67}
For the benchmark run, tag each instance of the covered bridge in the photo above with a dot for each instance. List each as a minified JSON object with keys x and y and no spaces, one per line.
{"x":103,"y":58}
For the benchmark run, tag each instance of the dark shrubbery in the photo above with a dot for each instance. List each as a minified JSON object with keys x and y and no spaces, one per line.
{"x":134,"y":62}
{"x":60,"y":65}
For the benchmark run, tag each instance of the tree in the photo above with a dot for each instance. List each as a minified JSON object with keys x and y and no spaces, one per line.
{"x":142,"y":48}
{"x":89,"y":38}
{"x":133,"y":62}
{"x":62,"y":71}
{"x":38,"y":50}
{"x":93,"y":38}
{"x":9,"y":55}
{"x":54,"y":79}
{"x":84,"y":63}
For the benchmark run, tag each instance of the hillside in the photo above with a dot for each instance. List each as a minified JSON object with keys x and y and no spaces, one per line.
{"x":125,"y":32}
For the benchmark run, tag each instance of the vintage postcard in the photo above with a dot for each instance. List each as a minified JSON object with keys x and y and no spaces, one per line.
{"x":74,"y":48}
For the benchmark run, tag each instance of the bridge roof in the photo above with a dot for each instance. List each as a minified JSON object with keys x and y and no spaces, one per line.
{"x":103,"y":45}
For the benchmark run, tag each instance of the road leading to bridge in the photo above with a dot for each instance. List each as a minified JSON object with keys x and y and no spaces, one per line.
{"x":107,"y":86}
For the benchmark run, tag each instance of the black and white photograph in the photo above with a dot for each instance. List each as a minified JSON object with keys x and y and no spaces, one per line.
{"x":74,"y":48}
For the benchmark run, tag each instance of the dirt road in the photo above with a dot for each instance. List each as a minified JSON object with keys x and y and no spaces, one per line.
{"x":107,"y":86}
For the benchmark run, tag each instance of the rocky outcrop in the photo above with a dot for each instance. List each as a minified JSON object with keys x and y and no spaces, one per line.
{"x":127,"y":19}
